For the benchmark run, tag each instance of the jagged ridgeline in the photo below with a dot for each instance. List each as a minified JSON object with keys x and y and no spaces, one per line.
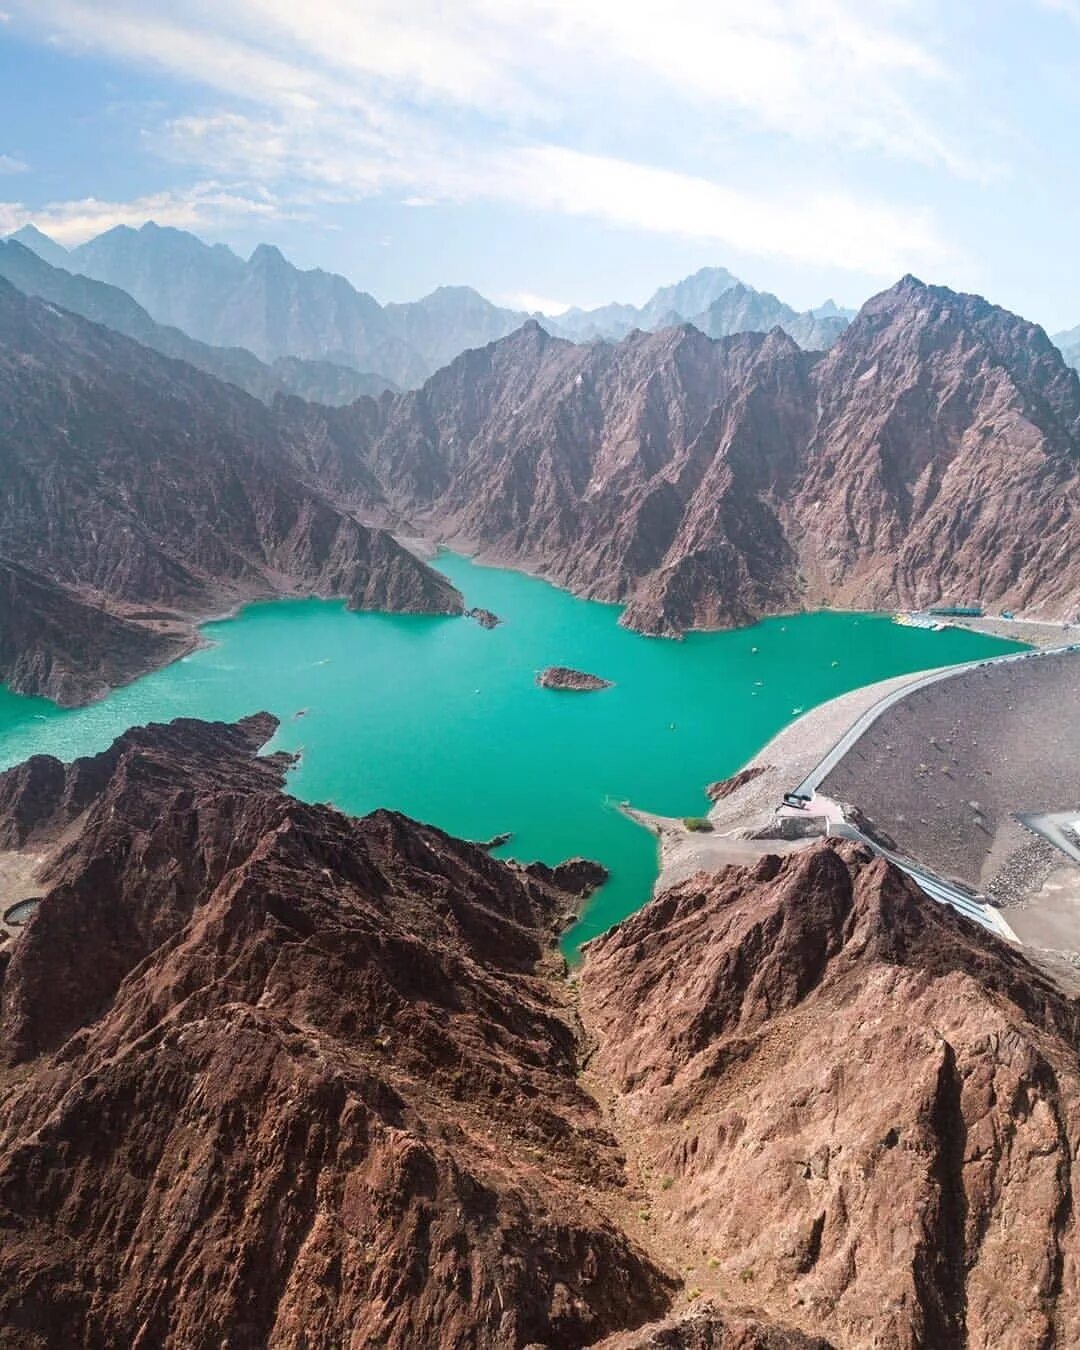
{"x":276,"y":1077}
{"x":932,"y":453}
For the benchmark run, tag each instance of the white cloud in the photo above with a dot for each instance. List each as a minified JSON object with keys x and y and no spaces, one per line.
{"x":824,"y":228}
{"x":322,"y":158}
{"x":1068,"y":7}
{"x":836,"y":71}
{"x":331,"y":100}
{"x":204,"y":205}
{"x":532,"y":303}
{"x":12,"y":164}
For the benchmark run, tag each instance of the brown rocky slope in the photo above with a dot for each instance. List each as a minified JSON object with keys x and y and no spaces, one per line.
{"x":279,"y":1077}
{"x":856,"y":1111}
{"x":932,"y":454}
{"x":137,"y":494}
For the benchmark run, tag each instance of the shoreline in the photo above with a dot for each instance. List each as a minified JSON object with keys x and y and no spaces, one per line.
{"x":1044,"y":918}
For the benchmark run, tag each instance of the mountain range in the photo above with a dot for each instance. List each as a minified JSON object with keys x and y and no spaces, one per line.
{"x":931,"y":455}
{"x":318,"y":381}
{"x":1069,"y":344}
{"x":277,"y":312}
{"x":140,"y":495}
{"x":275,"y":1076}
{"x":279,"y":1077}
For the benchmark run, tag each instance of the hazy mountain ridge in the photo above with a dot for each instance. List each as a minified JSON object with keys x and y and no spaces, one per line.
{"x":276,"y":311}
{"x":1069,"y":345}
{"x":740,"y":309}
{"x":318,"y":381}
{"x":141,"y":490}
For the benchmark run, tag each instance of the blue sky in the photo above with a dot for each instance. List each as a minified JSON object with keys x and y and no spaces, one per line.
{"x":551,"y":152}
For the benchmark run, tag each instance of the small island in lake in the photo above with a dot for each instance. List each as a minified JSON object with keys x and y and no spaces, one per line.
{"x":562,"y":677}
{"x":483,"y":617}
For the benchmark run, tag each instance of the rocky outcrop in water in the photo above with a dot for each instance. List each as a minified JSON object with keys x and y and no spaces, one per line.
{"x":139,"y":494}
{"x":932,"y":454}
{"x":288,"y":1077}
{"x":484,"y":617}
{"x":575,"y":681}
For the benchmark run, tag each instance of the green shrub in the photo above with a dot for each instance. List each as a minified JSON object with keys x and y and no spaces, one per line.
{"x":699,"y":824}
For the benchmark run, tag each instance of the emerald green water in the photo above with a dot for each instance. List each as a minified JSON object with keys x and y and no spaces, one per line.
{"x":441,"y":718}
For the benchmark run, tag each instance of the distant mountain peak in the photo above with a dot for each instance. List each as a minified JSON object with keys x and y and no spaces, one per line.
{"x":38,"y":242}
{"x":268,"y":255}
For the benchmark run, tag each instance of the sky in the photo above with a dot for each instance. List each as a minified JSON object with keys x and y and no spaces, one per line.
{"x":557,"y":152}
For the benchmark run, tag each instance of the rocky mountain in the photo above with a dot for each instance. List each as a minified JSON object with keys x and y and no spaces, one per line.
{"x":741,"y":309}
{"x":1069,"y":344}
{"x":857,"y":1111}
{"x":139,"y":494}
{"x":831,"y":310}
{"x":932,"y":454}
{"x":278,"y":312}
{"x":669,"y":305}
{"x":39,"y":243}
{"x":282,"y":1077}
{"x":449,"y":321}
{"x":275,"y":1076}
{"x":273,"y":309}
{"x":320,"y":381}
{"x":263,"y":304}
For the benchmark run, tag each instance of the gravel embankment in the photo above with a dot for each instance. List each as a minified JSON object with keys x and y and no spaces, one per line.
{"x":944,"y":769}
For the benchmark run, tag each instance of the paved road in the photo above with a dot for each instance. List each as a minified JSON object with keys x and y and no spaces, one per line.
{"x":937,"y":888}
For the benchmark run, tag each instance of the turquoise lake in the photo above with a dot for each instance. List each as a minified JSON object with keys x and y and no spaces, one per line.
{"x":442,"y":719}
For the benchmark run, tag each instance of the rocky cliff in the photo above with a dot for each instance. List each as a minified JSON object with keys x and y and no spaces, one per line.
{"x":288,"y":1078}
{"x":856,"y":1112}
{"x":275,"y":1076}
{"x":932,"y":454}
{"x":138,"y":494}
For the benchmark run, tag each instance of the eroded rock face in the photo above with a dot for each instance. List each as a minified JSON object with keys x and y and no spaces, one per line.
{"x":290,"y":1078}
{"x":139,"y":494}
{"x":858,"y":1111}
{"x":932,"y":454}
{"x":275,"y":1076}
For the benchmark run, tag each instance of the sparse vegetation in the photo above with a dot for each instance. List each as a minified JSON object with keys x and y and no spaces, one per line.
{"x":698,"y":824}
